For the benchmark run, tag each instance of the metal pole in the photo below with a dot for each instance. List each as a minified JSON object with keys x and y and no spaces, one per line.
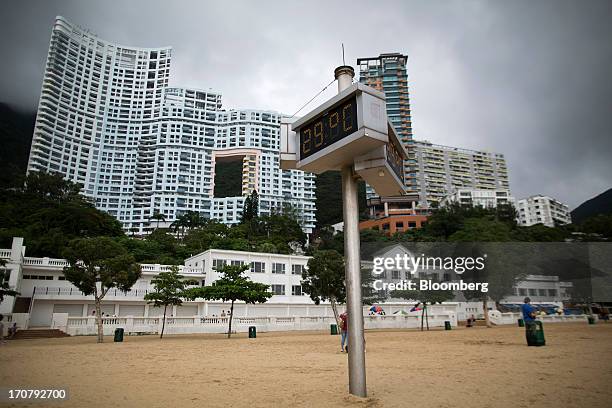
{"x":350,"y":206}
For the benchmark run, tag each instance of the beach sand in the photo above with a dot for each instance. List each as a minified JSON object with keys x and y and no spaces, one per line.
{"x":475,"y":367}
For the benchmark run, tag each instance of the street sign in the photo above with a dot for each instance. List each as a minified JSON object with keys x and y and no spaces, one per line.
{"x":349,"y":125}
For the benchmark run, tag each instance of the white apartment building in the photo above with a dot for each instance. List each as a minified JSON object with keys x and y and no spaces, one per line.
{"x":108,"y":119}
{"x":440,"y":170}
{"x":479,"y":198}
{"x":44,"y":290}
{"x":540,"y":209}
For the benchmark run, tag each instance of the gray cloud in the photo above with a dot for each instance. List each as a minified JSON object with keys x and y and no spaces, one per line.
{"x":528,"y":79}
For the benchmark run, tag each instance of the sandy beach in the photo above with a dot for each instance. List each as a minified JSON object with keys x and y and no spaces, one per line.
{"x":476,"y":367}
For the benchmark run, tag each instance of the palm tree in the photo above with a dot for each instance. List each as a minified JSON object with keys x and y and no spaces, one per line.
{"x":158,"y":217}
{"x":179,"y":225}
{"x":193,"y":219}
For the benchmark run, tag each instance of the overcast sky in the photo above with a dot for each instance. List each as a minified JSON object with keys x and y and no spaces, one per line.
{"x":529,"y":79}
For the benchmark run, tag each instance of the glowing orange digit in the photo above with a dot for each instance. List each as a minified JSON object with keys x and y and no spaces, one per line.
{"x":307,"y":143}
{"x":334,"y":119}
{"x":318,"y":134}
{"x":347,"y":117}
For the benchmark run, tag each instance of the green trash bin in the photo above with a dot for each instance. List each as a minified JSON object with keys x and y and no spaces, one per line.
{"x":333,"y":329}
{"x":118,"y":335}
{"x":534,"y":332}
{"x":521,"y":323}
{"x":591,"y":319}
{"x":252,"y":332}
{"x":447,"y":325}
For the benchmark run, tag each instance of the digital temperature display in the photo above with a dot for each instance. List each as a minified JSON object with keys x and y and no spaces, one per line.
{"x":330,"y":126}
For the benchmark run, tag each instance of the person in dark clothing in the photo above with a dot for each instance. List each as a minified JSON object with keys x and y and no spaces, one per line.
{"x":343,"y":331}
{"x":529,"y":312}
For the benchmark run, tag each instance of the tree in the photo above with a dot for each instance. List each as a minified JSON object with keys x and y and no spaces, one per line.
{"x":369,"y":295}
{"x":482,"y":230}
{"x":49,"y":212}
{"x":158,"y":217}
{"x":169,"y":291}
{"x":250,"y":209}
{"x":280,"y":230}
{"x":425,"y":296}
{"x":232,"y":286}
{"x":324,"y":279}
{"x":179,"y":225}
{"x":97,"y":265}
{"x":5,"y":289}
{"x":598,"y":224}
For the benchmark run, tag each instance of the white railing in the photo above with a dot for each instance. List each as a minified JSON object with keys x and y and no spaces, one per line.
{"x":214,"y":320}
{"x":499,"y":318}
{"x":31,"y":261}
{"x":198,"y":324}
{"x":166,"y":268}
{"x":60,"y":263}
{"x":62,"y":291}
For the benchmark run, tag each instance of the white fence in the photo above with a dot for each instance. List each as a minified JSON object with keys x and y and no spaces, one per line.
{"x":499,"y":318}
{"x":78,"y":326}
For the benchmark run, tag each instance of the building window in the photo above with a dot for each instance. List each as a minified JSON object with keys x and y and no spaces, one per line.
{"x":533,"y":292}
{"x":296,"y":290}
{"x":219,"y":263}
{"x":38,"y":277}
{"x":278,"y":268}
{"x":297,"y":269}
{"x":395,"y":274}
{"x":236,"y":263}
{"x":447,"y":276}
{"x":258,"y":267}
{"x":542,"y":292}
{"x":552,"y":292}
{"x":278,"y":289}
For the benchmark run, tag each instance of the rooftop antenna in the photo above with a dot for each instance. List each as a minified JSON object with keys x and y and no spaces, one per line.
{"x":343,"y":62}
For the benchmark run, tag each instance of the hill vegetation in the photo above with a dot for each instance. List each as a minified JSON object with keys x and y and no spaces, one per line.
{"x":16,"y":130}
{"x":599,"y":205}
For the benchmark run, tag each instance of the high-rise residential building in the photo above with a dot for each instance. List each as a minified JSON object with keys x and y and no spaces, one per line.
{"x":541,"y":209}
{"x":479,"y":198}
{"x":108,"y":119}
{"x":388,"y":74}
{"x":442,"y":170}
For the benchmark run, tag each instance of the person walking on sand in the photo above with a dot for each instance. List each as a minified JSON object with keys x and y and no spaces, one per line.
{"x":344,"y":332}
{"x":529,"y":312}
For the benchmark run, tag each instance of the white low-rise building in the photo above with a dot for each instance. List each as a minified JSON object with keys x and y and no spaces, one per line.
{"x":46,"y":294}
{"x":479,"y":198}
{"x":540,"y":209}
